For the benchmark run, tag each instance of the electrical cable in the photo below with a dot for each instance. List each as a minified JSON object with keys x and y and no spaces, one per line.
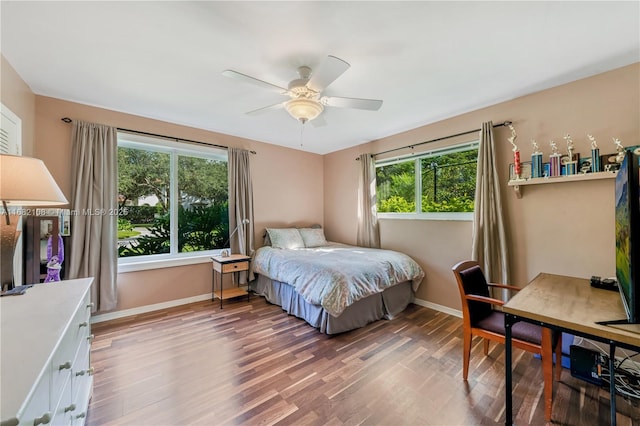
{"x":627,"y":379}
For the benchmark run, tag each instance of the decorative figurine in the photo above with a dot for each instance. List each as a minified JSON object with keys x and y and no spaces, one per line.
{"x":537,"y":168}
{"x":54,"y":261}
{"x":517,"y":165}
{"x":571,"y":164}
{"x":595,"y":155}
{"x":620,"y":149}
{"x":554,"y":160}
{"x":53,"y":270}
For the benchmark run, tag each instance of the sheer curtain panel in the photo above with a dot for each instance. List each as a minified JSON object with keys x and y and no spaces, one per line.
{"x":489,"y":245}
{"x":368,"y":232}
{"x":94,"y":199}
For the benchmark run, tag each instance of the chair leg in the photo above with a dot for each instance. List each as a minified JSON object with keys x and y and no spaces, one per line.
{"x":547,"y":371}
{"x":486,"y":347}
{"x":466,"y":354}
{"x":558,"y":350}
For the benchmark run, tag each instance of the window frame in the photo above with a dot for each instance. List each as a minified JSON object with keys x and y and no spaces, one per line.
{"x":174,"y":148}
{"x":417,"y":160}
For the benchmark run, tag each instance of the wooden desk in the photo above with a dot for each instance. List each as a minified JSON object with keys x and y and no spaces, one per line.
{"x":569,"y":305}
{"x":228,"y":265}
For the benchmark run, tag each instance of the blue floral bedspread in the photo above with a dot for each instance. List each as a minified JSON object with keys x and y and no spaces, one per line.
{"x":337,"y":275}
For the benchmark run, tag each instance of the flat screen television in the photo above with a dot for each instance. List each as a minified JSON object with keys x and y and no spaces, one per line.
{"x":627,"y":211}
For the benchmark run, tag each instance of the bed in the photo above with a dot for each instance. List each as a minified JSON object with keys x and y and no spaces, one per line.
{"x":334,"y":287}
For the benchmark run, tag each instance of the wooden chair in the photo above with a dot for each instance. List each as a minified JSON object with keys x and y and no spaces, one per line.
{"x":482,"y":320}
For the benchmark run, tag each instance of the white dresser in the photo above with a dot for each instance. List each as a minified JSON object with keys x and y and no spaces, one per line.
{"x":45,"y":339}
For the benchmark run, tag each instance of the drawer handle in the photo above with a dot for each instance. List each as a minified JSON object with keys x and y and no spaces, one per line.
{"x":83,"y":372}
{"x":90,"y":338}
{"x":65,"y":366}
{"x":81,"y":415}
{"x":83,"y":324}
{"x":44,"y":420}
{"x":91,"y":305}
{"x":72,"y":407}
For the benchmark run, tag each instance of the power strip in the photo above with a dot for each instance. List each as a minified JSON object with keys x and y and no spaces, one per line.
{"x":593,"y":367}
{"x":587,"y":364}
{"x":630,"y":360}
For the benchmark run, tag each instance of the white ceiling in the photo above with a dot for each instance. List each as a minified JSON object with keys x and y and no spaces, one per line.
{"x":427,"y":60}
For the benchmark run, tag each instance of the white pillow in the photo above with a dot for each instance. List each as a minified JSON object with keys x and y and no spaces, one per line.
{"x":285,"y":238}
{"x":313,"y":237}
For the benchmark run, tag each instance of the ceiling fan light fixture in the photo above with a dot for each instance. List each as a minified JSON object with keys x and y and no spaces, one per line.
{"x":304,"y":109}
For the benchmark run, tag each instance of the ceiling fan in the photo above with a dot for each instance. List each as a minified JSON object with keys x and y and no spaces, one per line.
{"x":306,"y":101}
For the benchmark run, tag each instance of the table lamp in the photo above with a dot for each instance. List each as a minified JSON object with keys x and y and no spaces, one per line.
{"x":24,"y":182}
{"x":225,"y":253}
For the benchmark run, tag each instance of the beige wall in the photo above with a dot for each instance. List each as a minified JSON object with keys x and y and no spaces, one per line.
{"x":287,"y":188}
{"x":564,"y":228}
{"x":18,"y":97}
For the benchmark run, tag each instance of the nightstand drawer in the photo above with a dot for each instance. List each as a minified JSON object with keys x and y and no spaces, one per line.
{"x":235,"y":267}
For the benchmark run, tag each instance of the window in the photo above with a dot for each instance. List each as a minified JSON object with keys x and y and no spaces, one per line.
{"x":172,"y":197}
{"x":437,"y":181}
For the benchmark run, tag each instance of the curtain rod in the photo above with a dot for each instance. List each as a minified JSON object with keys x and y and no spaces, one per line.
{"x":68,"y":120}
{"x":506,"y":123}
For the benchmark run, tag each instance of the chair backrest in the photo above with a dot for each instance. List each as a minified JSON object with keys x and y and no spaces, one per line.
{"x":471,"y":280}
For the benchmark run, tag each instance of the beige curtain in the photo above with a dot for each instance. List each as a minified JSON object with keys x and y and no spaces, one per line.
{"x":489,"y":245}
{"x":368,"y":232}
{"x":241,"y":204}
{"x":94,"y":199}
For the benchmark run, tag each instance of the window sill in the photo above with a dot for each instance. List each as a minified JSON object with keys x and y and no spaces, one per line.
{"x":146,"y":264}
{"x":464,"y":217}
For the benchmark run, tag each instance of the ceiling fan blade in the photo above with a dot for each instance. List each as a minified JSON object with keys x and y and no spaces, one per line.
{"x":248,"y":79}
{"x":326,"y":73}
{"x":368,"y":104}
{"x":269,"y":108}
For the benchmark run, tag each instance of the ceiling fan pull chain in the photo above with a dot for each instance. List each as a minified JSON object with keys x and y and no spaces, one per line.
{"x":301,"y":131}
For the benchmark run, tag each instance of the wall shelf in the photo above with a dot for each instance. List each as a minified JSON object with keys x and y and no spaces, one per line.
{"x":517,"y":184}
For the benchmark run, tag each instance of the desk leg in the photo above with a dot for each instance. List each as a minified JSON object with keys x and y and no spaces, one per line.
{"x":508,"y":388}
{"x":612,"y":381}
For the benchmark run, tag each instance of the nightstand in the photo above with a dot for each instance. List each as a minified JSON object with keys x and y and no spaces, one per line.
{"x":228,"y":265}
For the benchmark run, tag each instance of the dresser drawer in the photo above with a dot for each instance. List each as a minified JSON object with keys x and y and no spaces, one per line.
{"x":81,"y":371}
{"x":38,"y":405}
{"x":64,"y":408}
{"x":75,"y":338}
{"x":63,"y":359}
{"x":81,"y":385}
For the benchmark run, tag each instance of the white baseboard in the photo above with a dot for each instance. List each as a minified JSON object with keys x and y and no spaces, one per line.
{"x":172,"y":303}
{"x":436,"y":307}
{"x":148,"y":308}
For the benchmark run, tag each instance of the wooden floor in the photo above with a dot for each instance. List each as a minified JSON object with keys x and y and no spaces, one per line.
{"x":251,"y":363}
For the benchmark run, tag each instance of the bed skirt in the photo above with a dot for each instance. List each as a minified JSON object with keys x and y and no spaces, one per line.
{"x":385,"y":305}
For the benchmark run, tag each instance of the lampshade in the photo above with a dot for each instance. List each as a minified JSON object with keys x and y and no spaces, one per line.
{"x":25,"y":181}
{"x":304,"y":109}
